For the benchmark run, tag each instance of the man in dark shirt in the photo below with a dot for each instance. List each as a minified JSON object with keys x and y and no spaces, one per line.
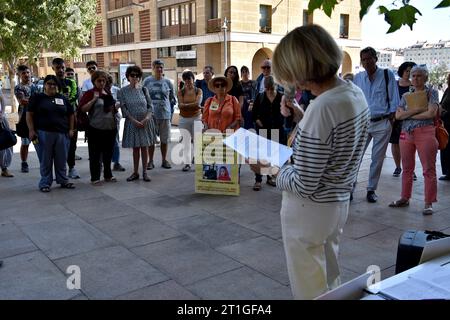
{"x":69,"y":88}
{"x":208,"y":73}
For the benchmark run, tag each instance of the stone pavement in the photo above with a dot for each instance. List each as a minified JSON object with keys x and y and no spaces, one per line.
{"x":160,"y":240}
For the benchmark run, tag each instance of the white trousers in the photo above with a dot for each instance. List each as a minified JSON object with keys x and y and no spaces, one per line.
{"x":311,"y":233}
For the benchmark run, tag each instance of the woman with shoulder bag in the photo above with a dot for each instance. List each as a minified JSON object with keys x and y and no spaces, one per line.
{"x":100,"y":106}
{"x":5,"y":154}
{"x":418,"y":133}
{"x":139,"y":130}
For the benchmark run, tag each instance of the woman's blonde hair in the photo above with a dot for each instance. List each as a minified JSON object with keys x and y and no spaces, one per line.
{"x":307,"y":53}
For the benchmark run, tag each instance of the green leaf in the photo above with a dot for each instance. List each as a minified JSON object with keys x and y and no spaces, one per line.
{"x":314,"y":4}
{"x":405,"y":15}
{"x":443,"y":4}
{"x":365,"y":6}
{"x":326,"y":5}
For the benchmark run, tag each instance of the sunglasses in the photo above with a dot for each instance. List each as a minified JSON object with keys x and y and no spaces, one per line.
{"x":92,"y":68}
{"x":265,"y":67}
{"x":70,"y":74}
{"x":220,"y":85}
{"x":134,"y":75}
{"x":51,"y":84}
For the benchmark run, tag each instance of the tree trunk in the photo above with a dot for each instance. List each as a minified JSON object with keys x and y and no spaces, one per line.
{"x":12,"y":84}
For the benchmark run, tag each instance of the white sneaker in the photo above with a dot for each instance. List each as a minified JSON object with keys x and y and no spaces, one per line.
{"x":73,"y":174}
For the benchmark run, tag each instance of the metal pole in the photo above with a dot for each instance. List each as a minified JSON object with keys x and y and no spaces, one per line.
{"x":225,"y":42}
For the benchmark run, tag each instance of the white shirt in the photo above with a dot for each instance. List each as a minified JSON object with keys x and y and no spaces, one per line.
{"x":87,"y":85}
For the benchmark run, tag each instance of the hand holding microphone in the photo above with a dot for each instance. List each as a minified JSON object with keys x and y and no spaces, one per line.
{"x":290,"y":107}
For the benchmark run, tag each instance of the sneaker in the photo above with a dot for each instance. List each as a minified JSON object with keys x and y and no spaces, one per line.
{"x":150,"y":165}
{"x":24,"y":167}
{"x":118,"y":167}
{"x":186,"y":167}
{"x":6,"y":173}
{"x":166,"y":164}
{"x":77,"y":157}
{"x":371,"y":197}
{"x":397,"y":172}
{"x":73,"y":174}
{"x":414,"y":176}
{"x":428,"y":210}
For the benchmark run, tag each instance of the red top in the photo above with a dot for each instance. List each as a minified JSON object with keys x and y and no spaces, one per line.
{"x":220,"y":116}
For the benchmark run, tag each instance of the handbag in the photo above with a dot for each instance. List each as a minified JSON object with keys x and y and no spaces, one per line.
{"x":7,"y":137}
{"x":21,"y":126}
{"x":441,"y":132}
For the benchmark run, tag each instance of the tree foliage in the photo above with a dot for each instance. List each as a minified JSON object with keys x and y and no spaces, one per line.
{"x":400,"y":12}
{"x":28,"y":26}
{"x":438,"y":75}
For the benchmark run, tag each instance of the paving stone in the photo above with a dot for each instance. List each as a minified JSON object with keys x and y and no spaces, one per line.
{"x":13,"y":241}
{"x":132,"y":190}
{"x":98,"y":209}
{"x":64,"y":237}
{"x":272,"y":263}
{"x":164,"y":208}
{"x":186,"y":260}
{"x":240,"y":284}
{"x":43,"y":211}
{"x":32,"y":276}
{"x":358,"y":227}
{"x":136,"y":230}
{"x":212,"y":230}
{"x":109,"y":272}
{"x":169,"y":290}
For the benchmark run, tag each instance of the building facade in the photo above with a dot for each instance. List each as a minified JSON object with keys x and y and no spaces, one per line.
{"x":431,"y":54}
{"x":190,"y":34}
{"x":390,"y":58}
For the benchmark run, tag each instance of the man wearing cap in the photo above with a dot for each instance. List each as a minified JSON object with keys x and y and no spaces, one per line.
{"x":163,"y":96}
{"x":223,"y":111}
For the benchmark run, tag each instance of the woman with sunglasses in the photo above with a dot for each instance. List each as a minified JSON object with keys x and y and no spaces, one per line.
{"x":102,"y":130}
{"x":222,"y":111}
{"x":139,"y":129}
{"x":50,"y":120}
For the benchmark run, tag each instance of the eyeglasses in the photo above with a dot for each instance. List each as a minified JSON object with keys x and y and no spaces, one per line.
{"x":69,"y":74}
{"x":134,"y":75}
{"x":266,"y":67}
{"x":220,"y":85}
{"x":92,"y":68}
{"x":51,"y":84}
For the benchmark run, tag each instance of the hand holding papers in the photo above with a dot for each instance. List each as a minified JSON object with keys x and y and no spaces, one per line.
{"x":252,"y":146}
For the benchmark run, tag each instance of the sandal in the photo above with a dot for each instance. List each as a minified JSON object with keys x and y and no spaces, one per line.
{"x":45,"y":189}
{"x":96,"y":183}
{"x":257,"y":186}
{"x":112,"y":179}
{"x":399,"y":203}
{"x":68,"y":185}
{"x":134,"y":176}
{"x":271,"y":182}
{"x":146,"y":178}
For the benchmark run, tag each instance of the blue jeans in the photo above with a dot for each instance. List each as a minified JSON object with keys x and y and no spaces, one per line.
{"x":52,"y":149}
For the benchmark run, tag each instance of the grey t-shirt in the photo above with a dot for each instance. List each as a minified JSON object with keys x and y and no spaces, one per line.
{"x":99,"y":119}
{"x":162,"y":95}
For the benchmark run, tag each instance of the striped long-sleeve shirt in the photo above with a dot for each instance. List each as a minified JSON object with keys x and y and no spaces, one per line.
{"x":328,"y":146}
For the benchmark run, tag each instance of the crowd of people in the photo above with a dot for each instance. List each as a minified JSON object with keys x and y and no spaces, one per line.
{"x":328,"y":120}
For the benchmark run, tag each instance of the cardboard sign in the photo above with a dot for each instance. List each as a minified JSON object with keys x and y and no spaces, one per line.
{"x":218,"y":172}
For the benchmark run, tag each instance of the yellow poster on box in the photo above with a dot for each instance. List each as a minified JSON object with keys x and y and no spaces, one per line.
{"x":218,"y":171}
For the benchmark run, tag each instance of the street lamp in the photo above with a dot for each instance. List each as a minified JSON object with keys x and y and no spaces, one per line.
{"x":225,"y":40}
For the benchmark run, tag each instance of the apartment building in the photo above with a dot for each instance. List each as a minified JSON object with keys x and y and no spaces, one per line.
{"x":190,"y":34}
{"x":431,"y":54}
{"x":390,"y":58}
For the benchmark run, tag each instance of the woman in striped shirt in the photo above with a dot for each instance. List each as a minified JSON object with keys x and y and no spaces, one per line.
{"x":327,"y":150}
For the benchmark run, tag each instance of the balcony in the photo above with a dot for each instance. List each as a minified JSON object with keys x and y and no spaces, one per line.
{"x":122,"y":38}
{"x":214,"y":25}
{"x":175,"y":31}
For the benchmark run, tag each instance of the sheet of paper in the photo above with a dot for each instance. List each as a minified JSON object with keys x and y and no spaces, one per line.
{"x":413,"y":289}
{"x":434,"y":249}
{"x":252,"y":146}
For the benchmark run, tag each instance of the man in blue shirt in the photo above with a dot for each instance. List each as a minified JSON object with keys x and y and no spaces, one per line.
{"x":381,"y":92}
{"x":208,"y":73}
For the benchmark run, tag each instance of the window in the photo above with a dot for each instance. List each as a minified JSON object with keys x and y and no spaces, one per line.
{"x":343,"y":28}
{"x":121,"y":57}
{"x":214,"y":9}
{"x":265,"y":22}
{"x":87,"y":57}
{"x":166,"y":52}
{"x":307,"y":18}
{"x":165,"y":17}
{"x":193,"y":12}
{"x":174,"y":16}
{"x":121,"y":25}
